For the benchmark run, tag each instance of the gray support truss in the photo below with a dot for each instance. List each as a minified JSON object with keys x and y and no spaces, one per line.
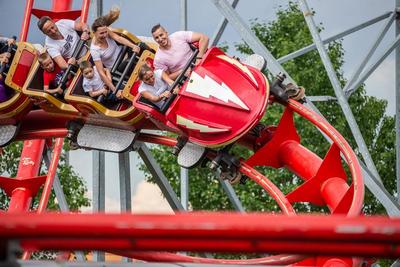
{"x":233,"y":198}
{"x":125,"y":182}
{"x":385,"y":198}
{"x":397,"y":88}
{"x":275,"y":68}
{"x":371,"y":51}
{"x":321,"y":98}
{"x":183,"y":15}
{"x":247,"y":35}
{"x":338,"y":89}
{"x":221,"y":27}
{"x":159,"y":177}
{"x":185,"y":187}
{"x":99,"y":191}
{"x":396,"y":263}
{"x":61,"y":199}
{"x":311,"y":47}
{"x":99,"y":8}
{"x":373,"y":66}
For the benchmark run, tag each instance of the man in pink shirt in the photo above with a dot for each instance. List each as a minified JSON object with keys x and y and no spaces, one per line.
{"x":174,"y":50}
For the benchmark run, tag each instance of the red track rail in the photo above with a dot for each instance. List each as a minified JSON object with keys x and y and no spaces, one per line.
{"x":329,"y":235}
{"x":124,"y":234}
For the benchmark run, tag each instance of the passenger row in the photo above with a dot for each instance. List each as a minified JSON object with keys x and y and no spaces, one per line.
{"x":77,"y":73}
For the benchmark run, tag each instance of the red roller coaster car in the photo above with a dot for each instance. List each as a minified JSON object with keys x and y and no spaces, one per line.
{"x":218,"y":103}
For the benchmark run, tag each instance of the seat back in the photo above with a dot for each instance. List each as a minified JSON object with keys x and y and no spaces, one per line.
{"x":34,"y":88}
{"x":21,"y":64}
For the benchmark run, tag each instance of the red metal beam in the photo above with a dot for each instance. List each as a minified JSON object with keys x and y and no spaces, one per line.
{"x":61,"y":5}
{"x":85,"y":10}
{"x":346,"y":150}
{"x":312,"y":235}
{"x":51,"y":172}
{"x":26,"y":21}
{"x":29,"y":165}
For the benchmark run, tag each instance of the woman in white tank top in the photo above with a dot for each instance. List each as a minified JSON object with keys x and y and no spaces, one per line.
{"x":104,"y":48}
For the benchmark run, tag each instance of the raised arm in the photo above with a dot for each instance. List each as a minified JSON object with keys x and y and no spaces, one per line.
{"x":84,"y":28}
{"x":123,"y":41}
{"x":203,"y":42}
{"x":60,"y":61}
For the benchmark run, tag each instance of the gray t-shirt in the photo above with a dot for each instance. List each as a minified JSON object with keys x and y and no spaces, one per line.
{"x":157,"y":89}
{"x":106,"y":55}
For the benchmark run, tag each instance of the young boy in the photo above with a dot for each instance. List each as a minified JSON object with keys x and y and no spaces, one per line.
{"x":92,"y":83}
{"x":155,"y":85}
{"x":52,"y":74}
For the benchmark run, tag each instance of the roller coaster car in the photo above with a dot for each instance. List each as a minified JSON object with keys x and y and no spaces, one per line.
{"x":124,"y":78}
{"x":33,"y":88}
{"x":220,"y":102}
{"x":21,"y":61}
{"x":18,"y":105}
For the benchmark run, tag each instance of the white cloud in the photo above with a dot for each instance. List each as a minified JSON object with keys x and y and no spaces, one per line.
{"x":112,"y":205}
{"x":149,"y":199}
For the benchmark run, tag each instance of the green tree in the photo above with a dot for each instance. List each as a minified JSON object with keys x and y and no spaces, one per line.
{"x":74,"y":186}
{"x":288,"y":33}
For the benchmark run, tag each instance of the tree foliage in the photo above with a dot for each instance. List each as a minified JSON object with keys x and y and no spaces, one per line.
{"x":286,"y":34}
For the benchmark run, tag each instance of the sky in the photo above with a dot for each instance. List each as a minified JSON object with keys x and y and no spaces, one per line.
{"x":139,"y":16}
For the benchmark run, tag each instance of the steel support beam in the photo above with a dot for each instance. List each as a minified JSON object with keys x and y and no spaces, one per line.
{"x":311,"y":47}
{"x":221,"y":27}
{"x":273,"y":65}
{"x":321,"y":98}
{"x":371,"y":51}
{"x":99,"y":8}
{"x":233,"y":198}
{"x":124,"y":182}
{"x":338,"y":89}
{"x":373,"y":66}
{"x":185,"y":188}
{"x":61,"y":199}
{"x":392,"y":207}
{"x":98,"y":169}
{"x":184,"y":15}
{"x":396,"y":263}
{"x":125,"y":199}
{"x":99,"y":191}
{"x":247,"y":35}
{"x":184,"y":174}
{"x":159,"y":177}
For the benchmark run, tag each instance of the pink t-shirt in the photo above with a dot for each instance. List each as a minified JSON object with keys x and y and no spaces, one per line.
{"x":178,"y":55}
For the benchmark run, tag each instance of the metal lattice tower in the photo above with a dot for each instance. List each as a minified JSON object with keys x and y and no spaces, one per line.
{"x":363,"y":71}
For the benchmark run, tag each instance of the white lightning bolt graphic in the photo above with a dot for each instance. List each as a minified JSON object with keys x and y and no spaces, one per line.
{"x":197,"y":126}
{"x":207,"y":87}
